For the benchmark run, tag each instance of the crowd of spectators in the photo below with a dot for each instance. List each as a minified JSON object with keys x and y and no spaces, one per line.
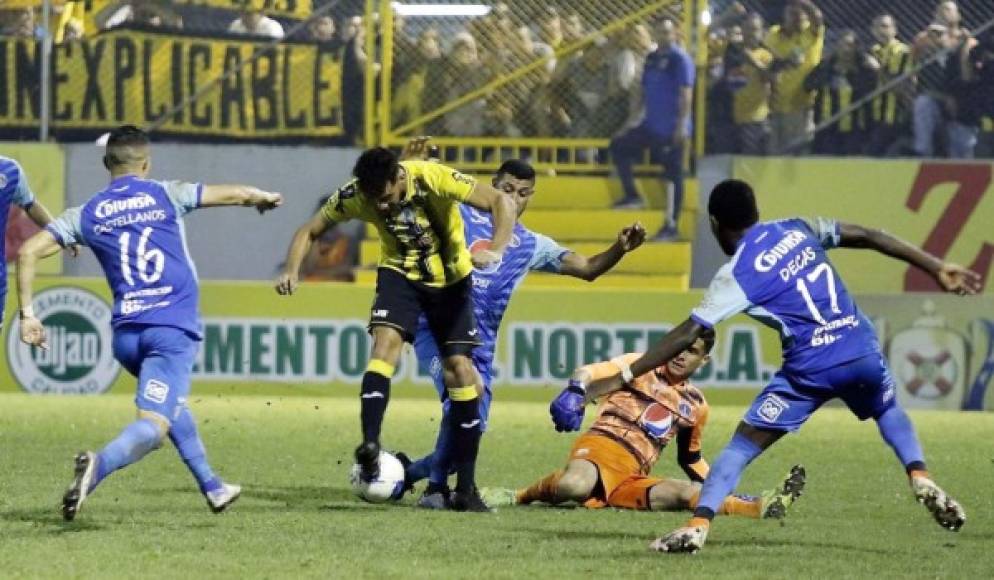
{"x":778,"y":90}
{"x":783,"y":87}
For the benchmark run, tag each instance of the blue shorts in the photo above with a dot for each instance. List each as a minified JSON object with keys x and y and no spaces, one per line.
{"x":428,"y":357}
{"x":864,"y":384}
{"x":162,"y":358}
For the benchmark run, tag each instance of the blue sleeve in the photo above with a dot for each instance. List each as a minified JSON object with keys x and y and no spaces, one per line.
{"x":23,"y":196}
{"x":66,"y":228}
{"x":548,"y":256}
{"x":724,"y":298}
{"x":185,"y":196}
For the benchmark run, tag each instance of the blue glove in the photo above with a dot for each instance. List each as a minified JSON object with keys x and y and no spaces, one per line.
{"x":567,"y":408}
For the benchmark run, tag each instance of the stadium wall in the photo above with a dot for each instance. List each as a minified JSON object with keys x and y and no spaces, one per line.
{"x":227,"y":244}
{"x":941,"y":347}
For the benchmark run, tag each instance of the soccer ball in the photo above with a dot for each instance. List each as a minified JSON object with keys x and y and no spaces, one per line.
{"x":388,"y":485}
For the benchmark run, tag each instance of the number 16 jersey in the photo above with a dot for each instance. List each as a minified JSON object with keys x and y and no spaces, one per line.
{"x":135,"y":229}
{"x":781,"y":276}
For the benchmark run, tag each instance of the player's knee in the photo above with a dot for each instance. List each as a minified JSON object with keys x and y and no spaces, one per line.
{"x":387,"y":344}
{"x":161,"y":424}
{"x":575,"y":486}
{"x":458,"y":371}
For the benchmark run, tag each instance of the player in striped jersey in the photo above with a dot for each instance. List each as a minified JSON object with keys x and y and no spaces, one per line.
{"x":492,"y":289}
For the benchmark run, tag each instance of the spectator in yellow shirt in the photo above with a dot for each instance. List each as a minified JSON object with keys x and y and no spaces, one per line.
{"x":796,"y":46}
{"x":751,"y":102}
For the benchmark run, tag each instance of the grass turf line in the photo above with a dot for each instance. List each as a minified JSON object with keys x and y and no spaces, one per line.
{"x":297,"y":517}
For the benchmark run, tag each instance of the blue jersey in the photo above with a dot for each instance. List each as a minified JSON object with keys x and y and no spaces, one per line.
{"x":135,"y":229}
{"x":13,"y":190}
{"x":493,"y":286}
{"x":665,"y":75}
{"x":781,"y":276}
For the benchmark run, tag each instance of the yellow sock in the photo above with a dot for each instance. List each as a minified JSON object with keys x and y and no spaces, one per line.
{"x":543,"y":490}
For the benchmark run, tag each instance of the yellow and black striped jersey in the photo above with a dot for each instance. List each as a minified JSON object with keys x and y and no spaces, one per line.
{"x":888,"y":108}
{"x":421,"y":237}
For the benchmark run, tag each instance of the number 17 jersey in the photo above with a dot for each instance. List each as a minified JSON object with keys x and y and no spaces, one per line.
{"x":780,"y":275}
{"x":135,"y":229}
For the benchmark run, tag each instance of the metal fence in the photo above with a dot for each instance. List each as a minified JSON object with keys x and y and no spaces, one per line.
{"x":516,"y":78}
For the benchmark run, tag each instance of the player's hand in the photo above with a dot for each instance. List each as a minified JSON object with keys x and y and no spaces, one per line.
{"x":287,"y":284}
{"x":567,"y":409}
{"x":267,"y":201}
{"x":957,"y":279}
{"x":73,"y":251}
{"x":631,"y":237}
{"x":33,"y":333}
{"x":416,"y":148}
{"x":485,"y":258}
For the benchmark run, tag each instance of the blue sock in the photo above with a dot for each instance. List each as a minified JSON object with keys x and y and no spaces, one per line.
{"x":897,"y":430}
{"x":419,"y":469}
{"x":725,"y":474}
{"x":441,"y":465}
{"x":184,"y":436}
{"x":134,"y":442}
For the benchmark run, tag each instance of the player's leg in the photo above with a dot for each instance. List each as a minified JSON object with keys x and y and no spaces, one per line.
{"x":678,"y":495}
{"x":671,"y":156}
{"x":625,"y":149}
{"x":449,"y":312}
{"x":132,"y":443}
{"x":574,"y":483}
{"x":466,"y":427}
{"x":394,"y":319}
{"x":779,"y":409}
{"x":869,"y":392}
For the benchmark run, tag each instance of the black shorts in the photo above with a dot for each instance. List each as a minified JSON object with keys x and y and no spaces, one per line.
{"x":400,"y":302}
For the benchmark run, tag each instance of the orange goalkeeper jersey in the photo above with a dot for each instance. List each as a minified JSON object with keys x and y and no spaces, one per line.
{"x":645,"y":416}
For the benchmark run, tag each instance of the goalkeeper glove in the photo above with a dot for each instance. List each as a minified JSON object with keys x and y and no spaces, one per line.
{"x":568,"y":407}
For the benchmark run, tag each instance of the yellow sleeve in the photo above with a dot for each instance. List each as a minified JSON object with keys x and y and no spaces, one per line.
{"x":444,"y":180}
{"x":815,"y":51}
{"x":343,"y":205}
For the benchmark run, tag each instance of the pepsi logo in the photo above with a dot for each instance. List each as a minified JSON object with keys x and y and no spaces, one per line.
{"x":481,"y":244}
{"x":656,"y":420}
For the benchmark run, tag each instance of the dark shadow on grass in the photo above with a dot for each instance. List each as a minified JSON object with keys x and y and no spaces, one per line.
{"x":573,"y":534}
{"x":302,"y":495}
{"x":50,"y":519}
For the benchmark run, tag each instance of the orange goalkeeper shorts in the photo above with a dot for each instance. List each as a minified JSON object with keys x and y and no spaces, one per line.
{"x":622,"y":484}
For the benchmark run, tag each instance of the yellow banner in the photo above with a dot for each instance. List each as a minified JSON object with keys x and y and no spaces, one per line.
{"x":291,"y":91}
{"x":945,"y":207}
{"x":44,"y":165}
{"x":288,"y":8}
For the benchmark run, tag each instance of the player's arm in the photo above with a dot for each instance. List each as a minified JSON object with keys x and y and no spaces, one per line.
{"x":587,"y":384}
{"x":951,"y":277}
{"x":244,"y":195}
{"x":688,"y":450}
{"x":37,"y":247}
{"x":589,"y":269}
{"x":484,"y":197}
{"x":300,"y":246}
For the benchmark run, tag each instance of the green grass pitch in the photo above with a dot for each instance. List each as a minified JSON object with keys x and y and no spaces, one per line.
{"x":297,"y":517}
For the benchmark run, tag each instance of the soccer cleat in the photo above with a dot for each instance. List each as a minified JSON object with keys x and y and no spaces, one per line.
{"x":946,"y":511}
{"x":85,"y":469}
{"x":499,"y":496}
{"x":219,"y":499}
{"x":367,"y":455}
{"x":775,"y":503}
{"x":406,"y":462}
{"x":687,"y":539}
{"x":435,"y":500}
{"x":469,"y":501}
